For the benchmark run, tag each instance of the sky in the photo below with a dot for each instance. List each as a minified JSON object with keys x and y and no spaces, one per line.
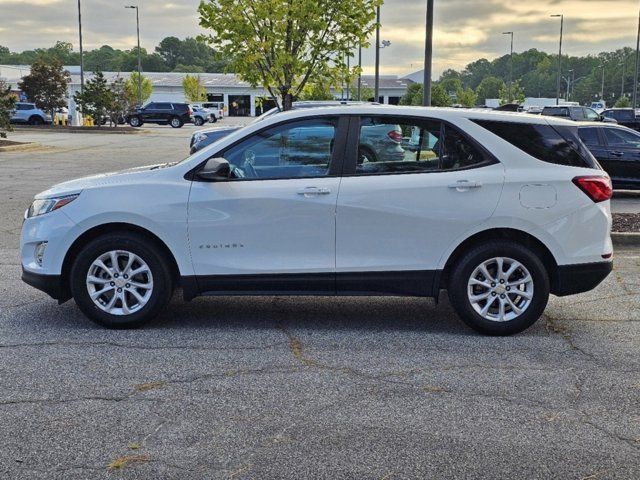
{"x":464,"y":30}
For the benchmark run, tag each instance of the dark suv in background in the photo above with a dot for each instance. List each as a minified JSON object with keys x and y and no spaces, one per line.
{"x":575,"y":113}
{"x":162,"y":113}
{"x":624,"y":116}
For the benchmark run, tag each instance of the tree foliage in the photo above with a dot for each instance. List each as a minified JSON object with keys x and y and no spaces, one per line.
{"x":46,"y":85}
{"x":467,"y":97}
{"x":623,"y":102}
{"x":316,"y":91}
{"x":96,"y":98}
{"x":517,"y":94}
{"x":7,"y":102}
{"x":131,"y":88}
{"x":284,"y":44}
{"x":194,"y":89}
{"x":489,"y":87}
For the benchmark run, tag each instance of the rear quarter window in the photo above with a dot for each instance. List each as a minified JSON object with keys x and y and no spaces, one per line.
{"x":560,"y":145}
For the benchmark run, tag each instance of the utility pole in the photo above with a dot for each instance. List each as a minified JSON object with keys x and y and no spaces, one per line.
{"x":559,"y":58}
{"x":623,"y":64}
{"x":510,"y":66}
{"x":635,"y":73}
{"x":602,"y":89}
{"x":139,"y":55}
{"x":377,"y":74}
{"x":428,"y":56}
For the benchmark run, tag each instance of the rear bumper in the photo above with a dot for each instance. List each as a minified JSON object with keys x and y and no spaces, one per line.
{"x":52,"y":285}
{"x":572,"y":279}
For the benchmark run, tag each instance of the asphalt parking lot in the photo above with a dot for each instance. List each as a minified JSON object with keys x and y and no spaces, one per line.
{"x":256,"y":388}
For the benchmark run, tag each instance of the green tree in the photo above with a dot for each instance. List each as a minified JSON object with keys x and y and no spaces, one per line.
{"x":46,"y":85}
{"x":316,"y":91}
{"x":96,"y":98}
{"x":517,"y":94}
{"x":194,"y":89}
{"x":131,"y":88}
{"x":623,"y":102}
{"x":283,"y":44}
{"x":7,"y":102}
{"x":439,"y":96}
{"x":489,"y":87}
{"x":121,"y":103}
{"x":467,"y":97}
{"x":413,"y":95}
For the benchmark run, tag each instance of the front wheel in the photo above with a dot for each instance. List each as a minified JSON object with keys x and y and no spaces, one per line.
{"x":198,"y":121}
{"x":121,"y":280}
{"x":499,"y":288}
{"x":135,"y":121}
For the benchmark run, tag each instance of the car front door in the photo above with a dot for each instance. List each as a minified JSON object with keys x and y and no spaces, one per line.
{"x":623,"y":146}
{"x":271,"y":226}
{"x":148,"y":112}
{"x":398,"y":214}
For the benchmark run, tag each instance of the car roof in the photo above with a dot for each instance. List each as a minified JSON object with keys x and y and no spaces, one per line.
{"x":437,"y":113}
{"x":602,"y":125}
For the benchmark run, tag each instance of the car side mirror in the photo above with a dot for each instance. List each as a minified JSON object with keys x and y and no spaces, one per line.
{"x":215,"y":170}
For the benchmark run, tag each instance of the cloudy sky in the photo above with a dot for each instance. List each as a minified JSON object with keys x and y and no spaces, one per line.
{"x":465,"y":30}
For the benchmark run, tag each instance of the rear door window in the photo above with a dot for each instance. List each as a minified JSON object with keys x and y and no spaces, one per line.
{"x":553,"y":144}
{"x":589,"y":136}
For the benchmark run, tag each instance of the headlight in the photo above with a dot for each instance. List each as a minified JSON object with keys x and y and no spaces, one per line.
{"x":46,"y":205}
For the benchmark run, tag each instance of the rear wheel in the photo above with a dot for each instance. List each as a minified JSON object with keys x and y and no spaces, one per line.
{"x":121,"y":280}
{"x":214,"y":119}
{"x":499,"y":288}
{"x":36,"y":120}
{"x":175,"y":122}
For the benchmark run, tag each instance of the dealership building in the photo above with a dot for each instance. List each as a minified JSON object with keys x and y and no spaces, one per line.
{"x":239,"y":97}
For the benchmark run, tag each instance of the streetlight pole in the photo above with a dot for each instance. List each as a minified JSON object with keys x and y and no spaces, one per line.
{"x":602,"y":89}
{"x":635,"y":73}
{"x":377,"y":75}
{"x":81,"y":56}
{"x":623,"y":64}
{"x":139,"y":55}
{"x":559,"y":57}
{"x":510,"y":66}
{"x":428,"y":56}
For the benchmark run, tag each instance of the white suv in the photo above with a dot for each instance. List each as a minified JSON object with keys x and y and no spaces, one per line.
{"x":500,"y":209}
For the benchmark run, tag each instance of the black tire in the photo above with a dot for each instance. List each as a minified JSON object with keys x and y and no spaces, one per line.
{"x":466,"y":265}
{"x":365,"y":153}
{"x":143,"y":248}
{"x":36,"y":120}
{"x":176,"y":122}
{"x":135,"y":122}
{"x":198,"y":121}
{"x":214,"y":119}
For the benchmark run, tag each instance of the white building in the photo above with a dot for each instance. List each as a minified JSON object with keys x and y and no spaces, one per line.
{"x":240,"y":98}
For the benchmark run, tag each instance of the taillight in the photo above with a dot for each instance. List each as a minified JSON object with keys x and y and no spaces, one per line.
{"x":395,"y":135}
{"x":597,"y":189}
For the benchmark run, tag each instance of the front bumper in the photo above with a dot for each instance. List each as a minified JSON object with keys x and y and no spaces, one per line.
{"x":573,"y":279}
{"x":52,"y":285}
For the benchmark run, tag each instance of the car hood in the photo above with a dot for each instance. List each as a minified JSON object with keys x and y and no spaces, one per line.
{"x":104,"y":179}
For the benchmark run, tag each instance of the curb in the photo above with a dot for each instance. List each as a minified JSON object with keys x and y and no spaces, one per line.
{"x":22,"y":147}
{"x":626,"y":194}
{"x":625,"y":239}
{"x":107,"y":130}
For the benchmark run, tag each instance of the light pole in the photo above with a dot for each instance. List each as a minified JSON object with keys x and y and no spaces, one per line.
{"x":635,"y":73}
{"x":428,"y":56}
{"x":139,"y":57}
{"x":623,"y":64}
{"x":602,"y":89}
{"x":377,"y":75}
{"x":81,"y":56}
{"x":510,"y":66}
{"x":561,"y":16}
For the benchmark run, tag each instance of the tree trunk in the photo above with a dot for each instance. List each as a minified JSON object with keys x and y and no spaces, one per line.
{"x":287,"y":98}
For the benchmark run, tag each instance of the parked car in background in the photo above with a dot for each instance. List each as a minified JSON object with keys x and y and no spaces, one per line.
{"x":575,"y":113}
{"x":624,"y":116}
{"x":501,"y":210}
{"x":161,"y":113}
{"x":201,"y":115}
{"x":202,"y":138}
{"x":617,"y":148}
{"x":599,"y":106}
{"x":216,"y":107}
{"x":28,"y":113}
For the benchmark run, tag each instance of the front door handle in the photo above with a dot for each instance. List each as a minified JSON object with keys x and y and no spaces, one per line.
{"x":617,"y":154}
{"x":463,"y":185}
{"x":313,"y":191}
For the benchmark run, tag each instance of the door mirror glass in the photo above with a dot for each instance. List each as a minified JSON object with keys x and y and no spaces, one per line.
{"x":215,"y":170}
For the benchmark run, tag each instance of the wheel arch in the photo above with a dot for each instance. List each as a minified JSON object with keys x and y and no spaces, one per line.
{"x":519,"y":236}
{"x":95,"y":232}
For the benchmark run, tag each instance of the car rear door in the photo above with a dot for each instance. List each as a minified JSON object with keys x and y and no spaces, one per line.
{"x":272,"y":226}
{"x":623,"y":146}
{"x":593,"y":138}
{"x":397,"y":216}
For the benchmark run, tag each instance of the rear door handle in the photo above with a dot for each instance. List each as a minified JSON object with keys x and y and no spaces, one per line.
{"x":312,"y":191}
{"x":463,"y":185}
{"x":617,"y":154}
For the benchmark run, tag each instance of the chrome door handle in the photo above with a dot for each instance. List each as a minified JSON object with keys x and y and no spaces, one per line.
{"x":465,"y":185}
{"x":617,"y":154}
{"x":309,"y":191}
